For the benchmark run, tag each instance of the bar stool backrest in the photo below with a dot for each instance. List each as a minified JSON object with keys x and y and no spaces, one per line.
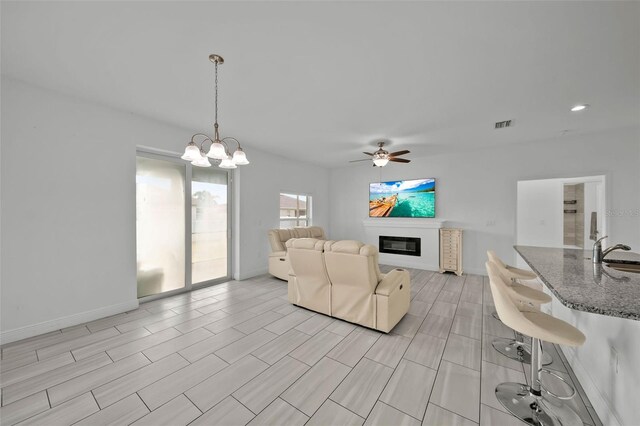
{"x":508,"y":312}
{"x":493,"y":257}
{"x":502,"y":271}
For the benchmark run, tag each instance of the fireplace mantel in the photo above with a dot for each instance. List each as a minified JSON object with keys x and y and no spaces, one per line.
{"x":386,"y":222}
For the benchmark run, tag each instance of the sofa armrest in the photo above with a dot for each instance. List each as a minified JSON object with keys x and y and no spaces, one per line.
{"x":395,"y":279}
{"x":278,"y":254}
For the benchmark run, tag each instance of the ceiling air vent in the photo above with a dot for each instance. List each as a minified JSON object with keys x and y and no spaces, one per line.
{"x":503,"y":124}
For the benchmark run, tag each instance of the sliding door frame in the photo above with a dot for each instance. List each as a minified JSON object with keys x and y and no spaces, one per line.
{"x":228,"y":277}
{"x":156,"y":154}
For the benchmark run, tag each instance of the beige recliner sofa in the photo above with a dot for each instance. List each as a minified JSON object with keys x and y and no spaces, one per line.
{"x":342,"y":279}
{"x":278,"y":259}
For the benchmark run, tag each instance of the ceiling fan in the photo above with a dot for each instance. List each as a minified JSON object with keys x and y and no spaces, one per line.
{"x":381,"y":157}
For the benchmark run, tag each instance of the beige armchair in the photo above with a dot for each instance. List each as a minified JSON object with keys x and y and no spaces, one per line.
{"x":278,"y":260}
{"x":345,"y":282}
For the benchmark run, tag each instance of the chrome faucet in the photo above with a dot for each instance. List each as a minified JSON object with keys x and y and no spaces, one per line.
{"x":597,"y":250}
{"x":616,"y":247}
{"x":599,"y":254}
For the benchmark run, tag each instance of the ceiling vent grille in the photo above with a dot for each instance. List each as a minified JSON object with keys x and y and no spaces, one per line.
{"x":503,"y":124}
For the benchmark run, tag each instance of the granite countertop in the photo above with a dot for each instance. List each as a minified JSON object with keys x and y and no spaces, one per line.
{"x":581,"y":285}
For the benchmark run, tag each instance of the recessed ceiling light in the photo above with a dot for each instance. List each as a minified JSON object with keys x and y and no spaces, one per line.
{"x":579,"y":107}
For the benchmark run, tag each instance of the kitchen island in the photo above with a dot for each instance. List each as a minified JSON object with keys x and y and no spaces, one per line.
{"x":580,"y":284}
{"x":603,"y":303}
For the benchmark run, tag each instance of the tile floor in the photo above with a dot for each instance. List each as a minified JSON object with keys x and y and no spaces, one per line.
{"x":239,"y":353}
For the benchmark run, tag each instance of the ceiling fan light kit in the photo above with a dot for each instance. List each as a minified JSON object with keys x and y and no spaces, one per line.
{"x":219,"y":149}
{"x":380,"y":160}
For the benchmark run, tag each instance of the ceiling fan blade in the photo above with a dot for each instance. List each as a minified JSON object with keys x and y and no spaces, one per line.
{"x":368,"y":153}
{"x":403,"y":152}
{"x":364,"y":159}
{"x":400,"y":160}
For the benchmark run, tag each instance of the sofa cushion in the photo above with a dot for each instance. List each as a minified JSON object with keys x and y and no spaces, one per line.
{"x":309,"y":232}
{"x":344,"y":246}
{"x":306,"y":243}
{"x":359,"y":248}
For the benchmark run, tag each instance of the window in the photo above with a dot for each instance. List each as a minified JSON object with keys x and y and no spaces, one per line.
{"x":295,"y":210}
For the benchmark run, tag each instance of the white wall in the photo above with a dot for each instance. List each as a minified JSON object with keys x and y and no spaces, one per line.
{"x":68,"y":208}
{"x":68,"y":218}
{"x":539,"y":217}
{"x":259,"y":208}
{"x":476,"y":189}
{"x":592,"y":203}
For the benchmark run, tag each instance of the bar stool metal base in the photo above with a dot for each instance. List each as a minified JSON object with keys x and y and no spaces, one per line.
{"x":518,"y":351}
{"x":532,"y":409}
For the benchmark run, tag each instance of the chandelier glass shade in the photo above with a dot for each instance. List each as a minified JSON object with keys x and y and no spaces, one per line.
{"x":201,"y":161}
{"x":227,"y":163}
{"x":219,"y":150}
{"x":240,"y":158}
{"x":191,"y":152}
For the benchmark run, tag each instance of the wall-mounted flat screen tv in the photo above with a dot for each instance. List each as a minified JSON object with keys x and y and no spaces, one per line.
{"x":403,"y":198}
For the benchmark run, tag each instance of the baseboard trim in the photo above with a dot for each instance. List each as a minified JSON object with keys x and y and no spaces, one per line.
{"x":436,"y":268}
{"x":474,"y":271}
{"x":599,"y":403}
{"x":64,"y":322}
{"x":410,"y":263}
{"x":243,"y":275}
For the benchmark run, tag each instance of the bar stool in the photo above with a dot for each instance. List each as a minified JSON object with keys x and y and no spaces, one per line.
{"x":525,"y":298}
{"x":511,"y":273}
{"x":523,"y":401}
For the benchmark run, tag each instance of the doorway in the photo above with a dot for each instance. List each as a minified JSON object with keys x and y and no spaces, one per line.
{"x":183,"y":228}
{"x":561,"y":212}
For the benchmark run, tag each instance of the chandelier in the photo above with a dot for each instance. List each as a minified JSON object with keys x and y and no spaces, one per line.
{"x":219,"y":149}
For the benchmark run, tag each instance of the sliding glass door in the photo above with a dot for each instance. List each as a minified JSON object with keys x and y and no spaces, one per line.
{"x":209,"y":208}
{"x":181,"y":240}
{"x":160,"y":231}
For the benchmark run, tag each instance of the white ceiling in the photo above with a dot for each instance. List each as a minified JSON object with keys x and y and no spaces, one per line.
{"x":323,"y":81}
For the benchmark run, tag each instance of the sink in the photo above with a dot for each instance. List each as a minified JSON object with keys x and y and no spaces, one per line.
{"x":625,"y":267}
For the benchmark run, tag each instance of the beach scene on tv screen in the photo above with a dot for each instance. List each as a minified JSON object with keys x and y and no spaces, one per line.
{"x":403,"y":198}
